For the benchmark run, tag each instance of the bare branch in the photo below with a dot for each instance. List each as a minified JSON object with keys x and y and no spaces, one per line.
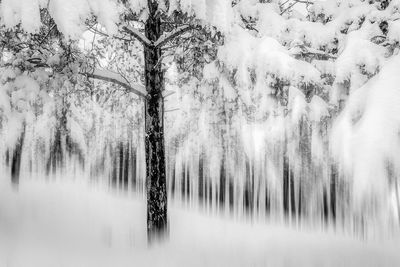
{"x":171,"y":110}
{"x":167,"y":93}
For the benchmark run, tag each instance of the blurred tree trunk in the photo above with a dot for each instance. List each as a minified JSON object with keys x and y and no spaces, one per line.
{"x":16,"y":158}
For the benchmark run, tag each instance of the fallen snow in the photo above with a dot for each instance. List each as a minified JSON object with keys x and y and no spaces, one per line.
{"x":74,"y":224}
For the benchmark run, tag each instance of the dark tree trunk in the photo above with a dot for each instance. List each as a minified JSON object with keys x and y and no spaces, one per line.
{"x":121,"y":164}
{"x":231,"y":192}
{"x":222,"y":183}
{"x":16,"y":159}
{"x":187,"y":182}
{"x":157,"y":222}
{"x":334,"y":176}
{"x":206,"y":191}
{"x":248,"y":189}
{"x":267,"y":201}
{"x":201,"y":179}
{"x":325,"y":205}
{"x":286,"y":172}
{"x":133,"y":162}
{"x":300,"y":207}
{"x":114,"y":172}
{"x":183,"y":182}
{"x":292,"y":196}
{"x":56,"y":157}
{"x":173,"y":179}
{"x":126,"y":167}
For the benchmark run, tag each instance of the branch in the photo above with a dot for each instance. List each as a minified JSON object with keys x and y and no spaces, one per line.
{"x":138,"y":35}
{"x":247,"y":24}
{"x":47,"y":35}
{"x":93,"y":30}
{"x":289,"y":7}
{"x":167,"y":93}
{"x":306,"y":2}
{"x":302,"y":51}
{"x":166,"y":37}
{"x":171,"y":110}
{"x":108,"y":76}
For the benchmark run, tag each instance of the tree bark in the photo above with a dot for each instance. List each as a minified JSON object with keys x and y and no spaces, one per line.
{"x":156,"y":186}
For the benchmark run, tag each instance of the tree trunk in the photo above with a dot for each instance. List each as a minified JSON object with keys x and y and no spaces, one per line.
{"x":334,"y":177}
{"x":286,"y":175}
{"x":16,"y":158}
{"x":157,"y":222}
{"x":201,"y":179}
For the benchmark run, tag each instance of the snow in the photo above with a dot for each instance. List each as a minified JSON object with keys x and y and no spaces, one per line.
{"x":217,"y":13}
{"x":365,"y":136}
{"x":359,"y":52}
{"x":68,"y":15}
{"x":313,"y":99}
{"x":65,"y":223}
{"x":297,"y":104}
{"x":265,"y":55}
{"x":25,"y":11}
{"x":318,"y":109}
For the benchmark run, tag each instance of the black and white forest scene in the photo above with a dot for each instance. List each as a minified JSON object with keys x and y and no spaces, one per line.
{"x":200,"y":133}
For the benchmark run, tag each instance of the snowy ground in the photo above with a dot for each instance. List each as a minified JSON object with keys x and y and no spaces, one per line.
{"x":70,"y":224}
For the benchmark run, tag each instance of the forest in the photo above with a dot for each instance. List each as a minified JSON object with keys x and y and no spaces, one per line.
{"x":200,"y":133}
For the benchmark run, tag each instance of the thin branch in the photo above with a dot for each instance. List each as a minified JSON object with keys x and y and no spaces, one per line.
{"x":47,"y":35}
{"x":289,"y":7}
{"x":171,"y":110}
{"x":248,"y":25}
{"x":284,"y":3}
{"x":93,"y":30}
{"x":167,"y":93}
{"x":307,"y":2}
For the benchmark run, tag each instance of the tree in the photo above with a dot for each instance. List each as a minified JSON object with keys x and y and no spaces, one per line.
{"x":157,"y":16}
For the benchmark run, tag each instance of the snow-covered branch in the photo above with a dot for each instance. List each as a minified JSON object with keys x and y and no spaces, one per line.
{"x":306,"y":2}
{"x":166,"y":37}
{"x":109,"y":76}
{"x":172,"y":34}
{"x":138,"y":35}
{"x":302,"y":51}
